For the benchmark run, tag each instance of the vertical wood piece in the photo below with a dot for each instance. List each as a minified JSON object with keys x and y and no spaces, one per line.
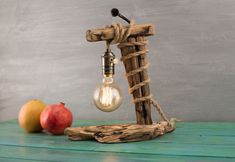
{"x":143,"y":109}
{"x":130,"y":65}
{"x":145,"y":90}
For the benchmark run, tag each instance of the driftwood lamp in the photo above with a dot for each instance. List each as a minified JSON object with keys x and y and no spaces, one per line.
{"x":131,"y":40}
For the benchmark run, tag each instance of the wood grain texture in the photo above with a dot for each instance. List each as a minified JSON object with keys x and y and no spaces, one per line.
{"x":32,"y":154}
{"x":119,"y":133}
{"x":130,"y":65}
{"x":145,"y":90}
{"x":199,"y":141}
{"x":103,"y":34}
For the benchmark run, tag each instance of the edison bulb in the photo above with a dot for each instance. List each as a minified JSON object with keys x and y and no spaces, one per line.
{"x":107,"y":97}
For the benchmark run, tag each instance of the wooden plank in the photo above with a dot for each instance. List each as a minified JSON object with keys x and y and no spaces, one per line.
{"x":22,"y":154}
{"x":206,"y":128}
{"x":176,"y":139}
{"x":149,"y":147}
{"x":16,"y":159}
{"x":107,"y":33}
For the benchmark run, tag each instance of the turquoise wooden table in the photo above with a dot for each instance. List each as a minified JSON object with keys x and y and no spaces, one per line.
{"x":189,"y":142}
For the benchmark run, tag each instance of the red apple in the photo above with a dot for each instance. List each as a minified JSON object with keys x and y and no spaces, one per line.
{"x":55,"y":118}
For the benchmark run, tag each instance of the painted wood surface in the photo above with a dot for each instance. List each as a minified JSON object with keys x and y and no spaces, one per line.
{"x":199,"y":141}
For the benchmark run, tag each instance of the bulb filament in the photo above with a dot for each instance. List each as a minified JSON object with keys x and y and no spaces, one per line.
{"x":106,"y":98}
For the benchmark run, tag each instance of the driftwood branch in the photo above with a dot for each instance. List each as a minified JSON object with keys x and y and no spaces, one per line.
{"x":132,"y":64}
{"x":107,"y":33}
{"x":145,"y":90}
{"x":119,"y":132}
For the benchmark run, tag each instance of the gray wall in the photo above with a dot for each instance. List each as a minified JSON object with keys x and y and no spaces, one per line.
{"x":44,"y":55}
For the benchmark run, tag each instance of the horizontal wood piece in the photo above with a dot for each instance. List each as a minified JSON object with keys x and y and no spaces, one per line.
{"x":107,"y":33}
{"x":119,"y":132}
{"x":31,"y":154}
{"x":191,"y":141}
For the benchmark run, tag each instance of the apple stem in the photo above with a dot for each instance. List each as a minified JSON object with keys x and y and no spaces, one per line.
{"x":62,"y":103}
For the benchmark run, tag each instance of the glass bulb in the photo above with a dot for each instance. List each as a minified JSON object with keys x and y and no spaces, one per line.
{"x":107,"y":97}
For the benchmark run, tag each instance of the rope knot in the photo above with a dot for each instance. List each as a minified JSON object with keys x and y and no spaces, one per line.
{"x":121,"y":33}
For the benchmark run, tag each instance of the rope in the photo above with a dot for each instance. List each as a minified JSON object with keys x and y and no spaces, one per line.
{"x":137,"y":86}
{"x":126,"y":44}
{"x":159,"y":109}
{"x":120,"y":35}
{"x":134,"y":54}
{"x":140,"y":69}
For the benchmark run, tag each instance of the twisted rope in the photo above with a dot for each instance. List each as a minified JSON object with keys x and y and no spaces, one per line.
{"x":120,"y":35}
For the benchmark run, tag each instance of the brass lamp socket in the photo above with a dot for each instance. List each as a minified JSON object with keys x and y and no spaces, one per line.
{"x":108,"y":65}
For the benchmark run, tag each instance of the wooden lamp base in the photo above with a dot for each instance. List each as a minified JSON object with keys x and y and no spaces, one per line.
{"x":118,"y":133}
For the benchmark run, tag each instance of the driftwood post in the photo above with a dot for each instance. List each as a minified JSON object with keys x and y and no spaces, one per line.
{"x":136,"y":68}
{"x":132,"y":64}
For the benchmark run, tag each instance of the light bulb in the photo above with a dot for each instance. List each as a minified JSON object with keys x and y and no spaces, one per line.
{"x":107,"y":97}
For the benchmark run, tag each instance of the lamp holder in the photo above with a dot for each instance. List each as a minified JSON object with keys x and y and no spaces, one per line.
{"x":108,"y":63}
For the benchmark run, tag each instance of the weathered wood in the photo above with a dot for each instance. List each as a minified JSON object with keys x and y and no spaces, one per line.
{"x":145,"y":90}
{"x":143,"y":109}
{"x":130,"y":65}
{"x":119,"y":133}
{"x":107,"y":33}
